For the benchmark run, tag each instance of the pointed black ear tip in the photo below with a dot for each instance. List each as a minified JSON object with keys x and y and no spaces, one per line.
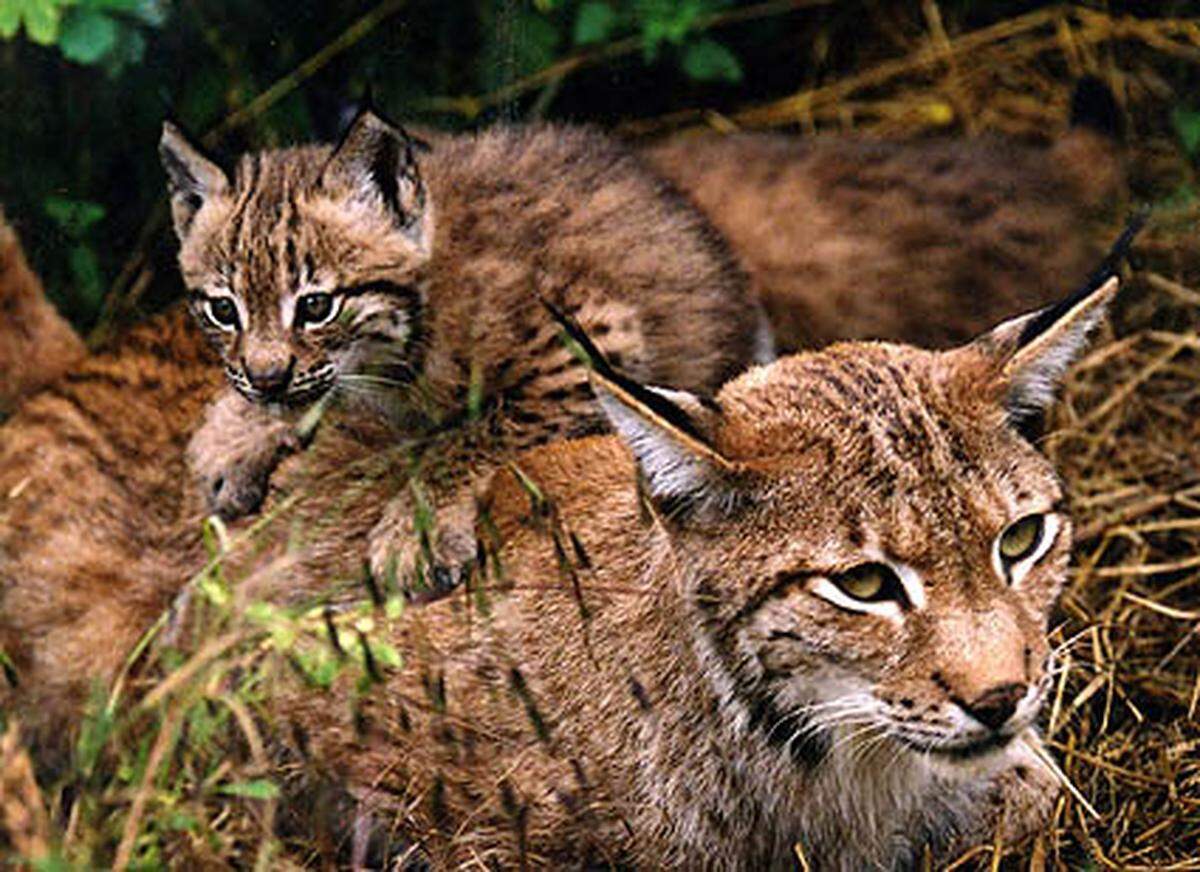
{"x":574,"y":330}
{"x":1095,"y":107}
{"x":1110,"y":268}
{"x":368,"y":102}
{"x":1119,"y":253}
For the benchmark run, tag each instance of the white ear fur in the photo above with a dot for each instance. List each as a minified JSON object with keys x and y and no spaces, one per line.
{"x":191,"y":177}
{"x":678,"y":466}
{"x":671,"y":469}
{"x":1041,"y":347}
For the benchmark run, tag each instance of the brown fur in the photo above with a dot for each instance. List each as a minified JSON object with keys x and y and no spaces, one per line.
{"x":69,"y":621}
{"x":665,"y":683}
{"x":36,"y":344}
{"x":921,"y":242}
{"x":442,"y":292}
{"x":93,"y":489}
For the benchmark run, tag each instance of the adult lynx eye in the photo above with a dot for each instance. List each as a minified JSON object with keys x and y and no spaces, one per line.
{"x":871,"y":583}
{"x":223,"y":312}
{"x":1022,"y":538}
{"x":314,"y":309}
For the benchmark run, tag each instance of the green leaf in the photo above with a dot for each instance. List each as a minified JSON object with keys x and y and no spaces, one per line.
{"x":42,"y":18}
{"x":594,"y":23}
{"x":320,"y":666}
{"x":87,"y":36}
{"x":258,"y":788}
{"x":1187,"y":127}
{"x":10,"y":19}
{"x":709,"y":61}
{"x":94,"y":731}
{"x":129,"y":50}
{"x":74,"y":217}
{"x":386,"y":655}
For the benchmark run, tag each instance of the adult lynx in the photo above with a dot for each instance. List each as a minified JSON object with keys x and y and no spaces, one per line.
{"x":810,"y":615}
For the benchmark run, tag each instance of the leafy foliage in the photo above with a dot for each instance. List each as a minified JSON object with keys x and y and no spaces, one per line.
{"x":91,"y":32}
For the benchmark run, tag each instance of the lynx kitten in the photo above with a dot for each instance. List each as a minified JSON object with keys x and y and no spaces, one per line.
{"x":362,"y":272}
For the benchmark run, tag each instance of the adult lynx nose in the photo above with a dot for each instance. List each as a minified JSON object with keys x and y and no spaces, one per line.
{"x":994,"y":708}
{"x":270,"y":379}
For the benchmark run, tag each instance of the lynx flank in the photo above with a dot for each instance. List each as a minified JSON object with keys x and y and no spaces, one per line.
{"x":36,"y":344}
{"x":924,"y":242}
{"x":357,"y":272}
{"x":814,"y":618}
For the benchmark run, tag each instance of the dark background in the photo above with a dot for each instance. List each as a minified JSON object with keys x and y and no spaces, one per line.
{"x":85,"y":84}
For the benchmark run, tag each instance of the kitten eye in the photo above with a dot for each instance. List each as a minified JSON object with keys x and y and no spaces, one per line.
{"x":1022,"y":538}
{"x":222,"y":311}
{"x":313,"y":310}
{"x":871,"y":583}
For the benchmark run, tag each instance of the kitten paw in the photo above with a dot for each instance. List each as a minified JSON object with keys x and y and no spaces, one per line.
{"x":426,"y":566}
{"x":235,"y":483}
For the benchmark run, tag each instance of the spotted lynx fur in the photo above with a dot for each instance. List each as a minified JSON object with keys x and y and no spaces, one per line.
{"x":371,"y":273}
{"x":808,"y":615}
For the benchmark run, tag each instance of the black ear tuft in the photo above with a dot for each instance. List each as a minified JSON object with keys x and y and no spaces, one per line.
{"x":666,"y":430}
{"x":595,"y":358}
{"x":1094,"y":107}
{"x":1108,"y":268}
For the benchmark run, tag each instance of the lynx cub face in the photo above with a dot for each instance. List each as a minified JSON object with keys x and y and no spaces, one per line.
{"x":305,"y":266}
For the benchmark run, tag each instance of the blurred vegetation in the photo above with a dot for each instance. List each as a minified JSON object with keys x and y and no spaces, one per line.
{"x":85,"y":84}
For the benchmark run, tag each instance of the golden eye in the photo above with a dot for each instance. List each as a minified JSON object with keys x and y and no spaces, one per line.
{"x":314,"y":309}
{"x":871,"y":583}
{"x":1022,"y":538}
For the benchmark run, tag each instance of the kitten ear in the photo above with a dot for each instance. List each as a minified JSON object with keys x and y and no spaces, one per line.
{"x":1031,"y":354}
{"x":191,"y":177}
{"x":377,"y":161}
{"x":668,"y":431}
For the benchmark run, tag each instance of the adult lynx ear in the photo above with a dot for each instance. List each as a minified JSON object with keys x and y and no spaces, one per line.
{"x":668,"y":431}
{"x":1032,"y":353}
{"x":377,"y":162}
{"x":191,"y":177}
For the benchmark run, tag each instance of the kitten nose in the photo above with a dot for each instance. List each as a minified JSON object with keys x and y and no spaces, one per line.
{"x":996,"y":706}
{"x":270,"y":379}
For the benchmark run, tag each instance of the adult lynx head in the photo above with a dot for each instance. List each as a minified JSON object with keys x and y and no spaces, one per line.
{"x":871,"y":538}
{"x":306,"y":264}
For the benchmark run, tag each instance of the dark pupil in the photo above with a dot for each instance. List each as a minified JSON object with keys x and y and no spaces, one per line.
{"x":316,"y":307}
{"x":223,"y":311}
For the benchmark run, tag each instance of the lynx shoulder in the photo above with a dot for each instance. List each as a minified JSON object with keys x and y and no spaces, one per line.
{"x":808,"y":615}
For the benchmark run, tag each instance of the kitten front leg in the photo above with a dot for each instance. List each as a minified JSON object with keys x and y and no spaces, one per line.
{"x":426,"y":563}
{"x":235,"y":451}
